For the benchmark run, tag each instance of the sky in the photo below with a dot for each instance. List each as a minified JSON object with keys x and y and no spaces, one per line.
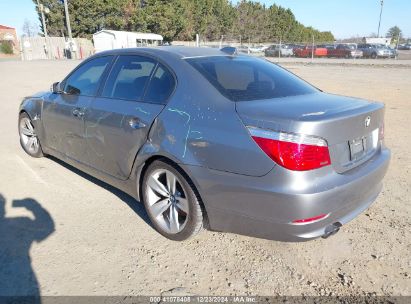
{"x":13,"y":13}
{"x":344,"y":18}
{"x":349,"y":18}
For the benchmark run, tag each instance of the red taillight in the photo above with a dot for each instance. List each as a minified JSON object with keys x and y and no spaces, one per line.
{"x":293,"y":151}
{"x":311,"y":219}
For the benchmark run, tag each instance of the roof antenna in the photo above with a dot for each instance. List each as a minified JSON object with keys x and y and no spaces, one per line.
{"x":230,"y":50}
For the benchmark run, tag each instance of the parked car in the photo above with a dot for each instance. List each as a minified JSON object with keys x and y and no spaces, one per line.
{"x":375,"y":51}
{"x":326,"y":46}
{"x":404,"y":47}
{"x":345,"y":51}
{"x":308,"y":50}
{"x":274,"y":50}
{"x":243,"y":49}
{"x":201,"y":135}
{"x":258,"y":48}
{"x":294,"y":47}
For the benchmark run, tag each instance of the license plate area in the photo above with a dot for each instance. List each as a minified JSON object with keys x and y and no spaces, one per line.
{"x":358,"y":147}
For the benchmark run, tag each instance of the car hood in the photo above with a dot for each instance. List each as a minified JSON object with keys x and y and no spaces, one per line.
{"x":38,"y":94}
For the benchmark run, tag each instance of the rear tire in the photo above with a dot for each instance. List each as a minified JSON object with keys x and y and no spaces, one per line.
{"x":171,"y":201}
{"x":29,"y":140}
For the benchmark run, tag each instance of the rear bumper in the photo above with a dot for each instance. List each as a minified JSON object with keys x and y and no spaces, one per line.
{"x":266,"y":206}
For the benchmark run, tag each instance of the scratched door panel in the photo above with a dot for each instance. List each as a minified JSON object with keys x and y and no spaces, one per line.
{"x":134,"y":94}
{"x":115,"y":131}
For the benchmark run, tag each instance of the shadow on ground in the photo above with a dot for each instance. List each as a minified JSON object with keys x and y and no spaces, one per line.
{"x":17,"y":234}
{"x":134,"y":205}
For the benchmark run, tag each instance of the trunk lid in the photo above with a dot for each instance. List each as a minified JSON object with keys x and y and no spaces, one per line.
{"x":349,"y":125}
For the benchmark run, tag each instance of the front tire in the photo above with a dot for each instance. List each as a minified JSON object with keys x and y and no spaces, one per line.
{"x":171,"y":202}
{"x":29,"y":140}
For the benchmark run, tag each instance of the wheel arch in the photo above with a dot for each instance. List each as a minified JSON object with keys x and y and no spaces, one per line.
{"x":27,"y":110}
{"x":33,"y":107}
{"x":167,"y":160}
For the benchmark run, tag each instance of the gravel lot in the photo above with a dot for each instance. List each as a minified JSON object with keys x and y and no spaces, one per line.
{"x":97,"y":240}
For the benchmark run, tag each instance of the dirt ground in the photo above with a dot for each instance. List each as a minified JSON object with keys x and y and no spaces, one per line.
{"x":82,"y":237}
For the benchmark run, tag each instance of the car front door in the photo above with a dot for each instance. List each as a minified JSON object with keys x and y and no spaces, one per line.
{"x":64,"y":112}
{"x":135,"y":92}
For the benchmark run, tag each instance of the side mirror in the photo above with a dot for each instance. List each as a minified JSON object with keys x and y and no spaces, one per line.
{"x":55,"y":88}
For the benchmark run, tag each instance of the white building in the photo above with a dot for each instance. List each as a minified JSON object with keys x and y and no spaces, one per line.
{"x":108,"y":40}
{"x":386,"y":41}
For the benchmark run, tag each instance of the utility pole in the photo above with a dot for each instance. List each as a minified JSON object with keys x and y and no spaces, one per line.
{"x":72,"y":45}
{"x":398,"y":42}
{"x":279,"y":51}
{"x":379,"y":23}
{"x":312,"y":50}
{"x":221,"y":41}
{"x":67,"y":20}
{"x":43,"y":19}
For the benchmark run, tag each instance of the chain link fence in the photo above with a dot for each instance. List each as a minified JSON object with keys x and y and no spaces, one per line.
{"x":34,"y":48}
{"x":313,"y":49}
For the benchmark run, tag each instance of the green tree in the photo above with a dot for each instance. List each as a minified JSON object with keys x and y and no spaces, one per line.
{"x":54,"y":18}
{"x":6,"y":47}
{"x":164,"y":17}
{"x":394,"y":32}
{"x":212,"y":18}
{"x":251,"y":21}
{"x":182,"y":19}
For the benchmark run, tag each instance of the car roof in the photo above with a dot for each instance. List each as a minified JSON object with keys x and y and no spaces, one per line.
{"x":178,"y":51}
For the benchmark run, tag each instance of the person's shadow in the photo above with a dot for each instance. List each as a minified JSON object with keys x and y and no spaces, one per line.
{"x":17,"y":277}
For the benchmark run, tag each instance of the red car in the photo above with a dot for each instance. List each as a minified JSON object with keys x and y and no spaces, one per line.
{"x":308,"y":50}
{"x":345,"y":51}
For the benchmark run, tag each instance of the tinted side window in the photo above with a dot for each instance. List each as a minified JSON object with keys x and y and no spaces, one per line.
{"x":129,"y":77}
{"x":161,"y":86}
{"x":85,"y":80}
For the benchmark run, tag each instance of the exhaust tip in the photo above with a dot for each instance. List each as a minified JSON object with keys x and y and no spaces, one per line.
{"x":331,"y":230}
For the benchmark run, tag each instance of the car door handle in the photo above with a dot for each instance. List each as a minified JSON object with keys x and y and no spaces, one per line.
{"x":78,"y":112}
{"x":136,"y":123}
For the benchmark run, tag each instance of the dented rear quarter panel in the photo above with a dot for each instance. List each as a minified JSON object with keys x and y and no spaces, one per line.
{"x":200,"y":127}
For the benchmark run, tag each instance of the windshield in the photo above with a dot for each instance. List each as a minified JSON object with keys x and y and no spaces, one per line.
{"x":241,"y":78}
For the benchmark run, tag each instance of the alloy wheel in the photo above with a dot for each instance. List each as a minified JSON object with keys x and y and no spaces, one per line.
{"x":167,"y":201}
{"x":28,"y":136}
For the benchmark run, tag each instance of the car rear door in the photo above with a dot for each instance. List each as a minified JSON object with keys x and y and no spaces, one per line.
{"x":64,"y":113}
{"x":135,"y":92}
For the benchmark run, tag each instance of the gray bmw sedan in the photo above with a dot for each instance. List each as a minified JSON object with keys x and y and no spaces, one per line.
{"x":207,"y":137}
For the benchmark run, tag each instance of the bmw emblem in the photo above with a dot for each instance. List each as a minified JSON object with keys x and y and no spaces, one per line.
{"x":367,"y":121}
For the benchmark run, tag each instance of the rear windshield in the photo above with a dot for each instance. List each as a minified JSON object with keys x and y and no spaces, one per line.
{"x":241,"y":78}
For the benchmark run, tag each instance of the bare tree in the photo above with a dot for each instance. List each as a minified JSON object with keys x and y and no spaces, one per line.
{"x":29,"y":28}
